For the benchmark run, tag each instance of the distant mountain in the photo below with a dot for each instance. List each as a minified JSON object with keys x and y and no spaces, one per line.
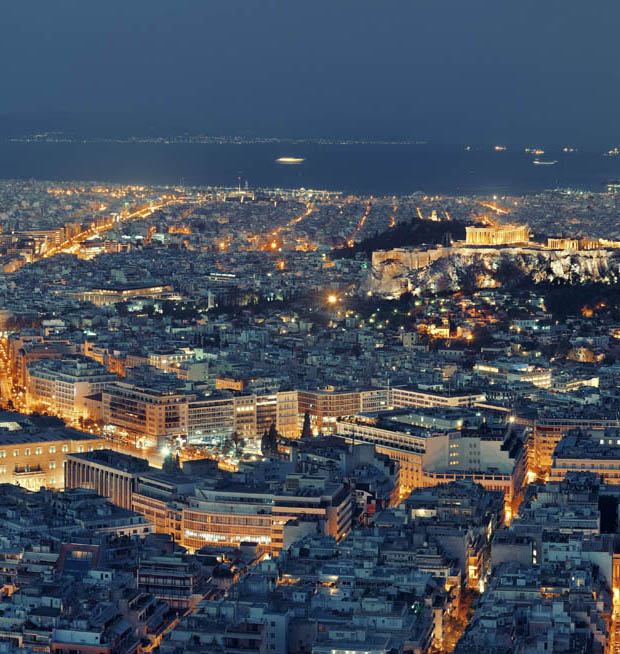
{"x":104,"y":125}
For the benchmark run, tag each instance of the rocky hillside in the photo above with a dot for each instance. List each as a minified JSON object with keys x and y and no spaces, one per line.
{"x":471,"y":268}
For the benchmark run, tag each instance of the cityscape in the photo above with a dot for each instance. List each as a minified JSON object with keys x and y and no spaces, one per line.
{"x":309,"y":328}
{"x":241,"y":417}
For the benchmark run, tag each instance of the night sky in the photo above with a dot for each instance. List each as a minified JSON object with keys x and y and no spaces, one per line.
{"x":539,"y":71}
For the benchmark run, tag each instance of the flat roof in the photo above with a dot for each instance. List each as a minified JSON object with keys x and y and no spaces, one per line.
{"x":8,"y":438}
{"x":116,"y":460}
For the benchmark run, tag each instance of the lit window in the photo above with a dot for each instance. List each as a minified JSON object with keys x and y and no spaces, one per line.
{"x":27,"y":452}
{"x":2,"y":454}
{"x":52,"y":449}
{"x":52,"y":465}
{"x":39,"y":450}
{"x":65,"y":448}
{"x":15,"y":452}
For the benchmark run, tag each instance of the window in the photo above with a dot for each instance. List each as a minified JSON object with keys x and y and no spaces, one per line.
{"x":80,"y":448}
{"x":2,"y":454}
{"x":65,"y":448}
{"x":52,"y":465}
{"x":39,"y":450}
{"x":52,"y":449}
{"x":27,"y":452}
{"x":2,"y":470}
{"x":15,"y":452}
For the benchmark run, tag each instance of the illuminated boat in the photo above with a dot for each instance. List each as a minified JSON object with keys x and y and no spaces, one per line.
{"x":290,"y":160}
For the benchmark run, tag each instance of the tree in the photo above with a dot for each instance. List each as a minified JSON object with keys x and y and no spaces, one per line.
{"x":482,"y":336}
{"x":172,"y":464}
{"x":264,"y":444}
{"x":306,"y":430}
{"x":236,"y":442}
{"x":562,"y":349}
{"x":122,"y":309}
{"x":269,"y":442}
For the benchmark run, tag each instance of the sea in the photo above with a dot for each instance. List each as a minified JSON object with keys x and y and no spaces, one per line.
{"x":370,"y":169}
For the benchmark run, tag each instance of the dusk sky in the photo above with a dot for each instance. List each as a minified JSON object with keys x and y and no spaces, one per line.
{"x":448,"y":70}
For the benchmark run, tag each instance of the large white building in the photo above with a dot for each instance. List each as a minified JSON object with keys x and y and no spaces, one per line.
{"x":494,"y":456}
{"x":152,"y":410}
{"x":405,"y":397}
{"x":510,"y":372}
{"x":60,"y":386}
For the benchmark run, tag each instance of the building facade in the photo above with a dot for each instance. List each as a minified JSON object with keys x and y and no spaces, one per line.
{"x":32,"y":460}
{"x":60,"y":386}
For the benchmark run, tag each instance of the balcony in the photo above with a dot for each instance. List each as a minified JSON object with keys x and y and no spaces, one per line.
{"x":29,"y":471}
{"x":245,"y":631}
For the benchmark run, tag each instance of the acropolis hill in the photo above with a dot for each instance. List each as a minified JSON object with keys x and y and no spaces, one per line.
{"x":440,"y":268}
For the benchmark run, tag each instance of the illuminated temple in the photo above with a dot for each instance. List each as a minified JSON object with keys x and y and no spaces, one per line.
{"x":505,"y":234}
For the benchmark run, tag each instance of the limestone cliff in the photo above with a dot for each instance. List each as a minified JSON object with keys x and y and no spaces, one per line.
{"x":394,"y":272}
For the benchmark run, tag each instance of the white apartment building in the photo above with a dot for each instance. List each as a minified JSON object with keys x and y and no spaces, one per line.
{"x":61,"y":385}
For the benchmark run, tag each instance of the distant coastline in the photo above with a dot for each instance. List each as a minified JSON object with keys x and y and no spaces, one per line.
{"x":206,"y":139}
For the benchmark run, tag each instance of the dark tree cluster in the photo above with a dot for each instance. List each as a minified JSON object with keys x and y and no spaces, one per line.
{"x":414,"y":232}
{"x":269,"y":442}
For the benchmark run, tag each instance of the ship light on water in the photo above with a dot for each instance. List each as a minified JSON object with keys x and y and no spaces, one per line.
{"x":290,"y":160}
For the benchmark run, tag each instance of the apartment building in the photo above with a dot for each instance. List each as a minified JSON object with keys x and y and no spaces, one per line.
{"x":324,"y":407}
{"x":177,"y":580}
{"x":584,"y":454}
{"x":404,"y":444}
{"x":508,"y":372}
{"x":447,"y":448}
{"x":147,"y":413}
{"x":61,"y":386}
{"x":412,"y":397}
{"x":224,"y":512}
{"x":234,"y":513}
{"x":210,"y":417}
{"x":548,"y":431}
